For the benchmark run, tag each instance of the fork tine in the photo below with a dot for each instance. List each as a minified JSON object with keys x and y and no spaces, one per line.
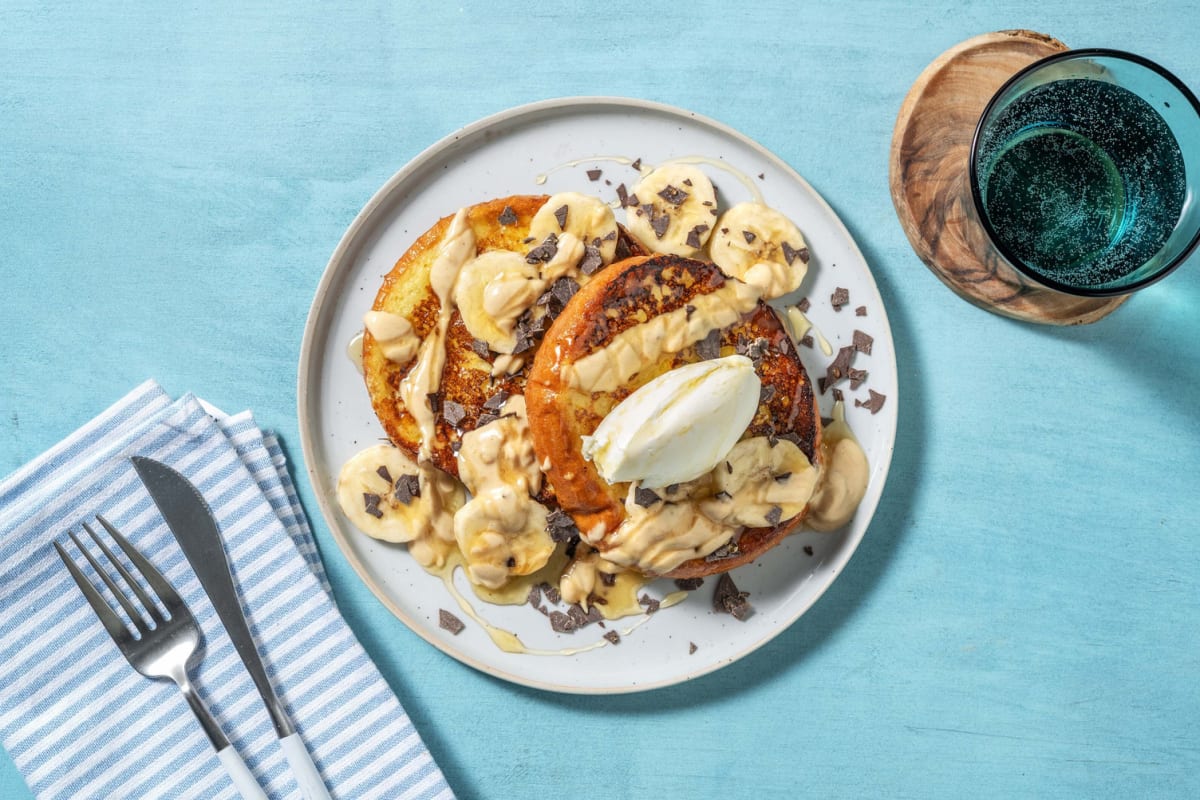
{"x":129,"y":579}
{"x":112,"y":623}
{"x":158,"y":583}
{"x":134,"y":615}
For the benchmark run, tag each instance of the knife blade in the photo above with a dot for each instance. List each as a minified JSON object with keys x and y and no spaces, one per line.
{"x":191,"y":520}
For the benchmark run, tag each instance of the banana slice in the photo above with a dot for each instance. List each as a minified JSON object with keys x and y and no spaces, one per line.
{"x":394,"y":334}
{"x":386,"y":496}
{"x":492,"y":291}
{"x":675,"y":211}
{"x":759,"y":486}
{"x":585,"y":217}
{"x":502,"y":532}
{"x":760,"y":246}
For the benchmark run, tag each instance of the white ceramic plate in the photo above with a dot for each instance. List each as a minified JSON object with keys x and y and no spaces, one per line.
{"x":548,"y":147}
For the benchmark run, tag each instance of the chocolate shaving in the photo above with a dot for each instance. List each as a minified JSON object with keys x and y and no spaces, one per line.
{"x":481,"y":349}
{"x":807,"y":341}
{"x":673,"y":195}
{"x":750,"y":236}
{"x":535,"y":596}
{"x":687,"y":181}
{"x":637,"y":164}
{"x":407,"y":487}
{"x":727,"y":550}
{"x":496,"y":401}
{"x":622,"y":251}
{"x":561,"y":526}
{"x":435,"y":402}
{"x":861,"y":311}
{"x":839,"y":298}
{"x":857,"y":376}
{"x":649,"y":602}
{"x":551,"y":592}
{"x":689,"y":584}
{"x":838,"y":369}
{"x":594,"y":174}
{"x":561,"y":623}
{"x":560,"y":214}
{"x":645,"y":497}
{"x":450,"y":622}
{"x":371,"y":504}
{"x":453,"y":412}
{"x":692,"y":648}
{"x":709,"y":346}
{"x":808,"y":550}
{"x":874,"y":403}
{"x":659,"y":224}
{"x":693,"y":237}
{"x":608,"y":578}
{"x":591,"y":260}
{"x":608,"y":237}
{"x":838,"y":396}
{"x":507,"y":216}
{"x":613,"y":637}
{"x":803,"y":304}
{"x":774,"y":516}
{"x":622,"y":195}
{"x":863,"y":342}
{"x":633,"y":201}
{"x":383,"y":473}
{"x":728,"y":600}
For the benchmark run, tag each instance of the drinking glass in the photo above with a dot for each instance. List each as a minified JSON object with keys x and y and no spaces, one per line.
{"x":1084,"y":170}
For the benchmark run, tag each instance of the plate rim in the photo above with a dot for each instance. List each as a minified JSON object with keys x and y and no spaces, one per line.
{"x":351,"y":236}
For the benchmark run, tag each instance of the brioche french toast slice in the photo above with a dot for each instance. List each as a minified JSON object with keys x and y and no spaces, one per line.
{"x":472,"y":388}
{"x":576,"y":382}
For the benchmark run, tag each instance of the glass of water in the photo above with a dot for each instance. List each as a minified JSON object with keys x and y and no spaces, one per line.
{"x":1085,"y":172}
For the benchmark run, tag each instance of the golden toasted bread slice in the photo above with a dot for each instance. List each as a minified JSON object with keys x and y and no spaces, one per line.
{"x":467,"y":382}
{"x":563,"y":406}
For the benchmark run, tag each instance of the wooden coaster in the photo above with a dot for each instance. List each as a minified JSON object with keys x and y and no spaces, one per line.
{"x":931,"y":187}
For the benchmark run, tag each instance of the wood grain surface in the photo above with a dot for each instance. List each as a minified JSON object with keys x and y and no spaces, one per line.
{"x":930,"y":182}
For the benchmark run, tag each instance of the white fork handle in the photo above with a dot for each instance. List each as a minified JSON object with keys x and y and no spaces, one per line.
{"x":303,"y":768}
{"x":246,"y":785}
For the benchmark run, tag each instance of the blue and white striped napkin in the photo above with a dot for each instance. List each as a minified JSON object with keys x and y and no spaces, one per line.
{"x":79,"y":722}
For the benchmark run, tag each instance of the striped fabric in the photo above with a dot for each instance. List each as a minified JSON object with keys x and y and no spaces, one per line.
{"x":79,"y":722}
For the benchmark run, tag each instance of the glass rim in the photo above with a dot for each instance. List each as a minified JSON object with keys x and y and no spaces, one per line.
{"x":977,"y":197}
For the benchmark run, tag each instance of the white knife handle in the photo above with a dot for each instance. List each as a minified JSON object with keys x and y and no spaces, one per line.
{"x":243,"y":779}
{"x":303,"y":768}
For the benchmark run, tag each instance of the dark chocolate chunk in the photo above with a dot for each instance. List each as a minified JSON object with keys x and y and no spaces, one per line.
{"x":687,"y":181}
{"x":535,"y":596}
{"x":689,"y":584}
{"x":649,"y":602}
{"x":728,"y":600}
{"x":807,"y":341}
{"x":450,"y":622}
{"x":790,"y":254}
{"x":659,"y":224}
{"x":544,"y":251}
{"x":839,"y":298}
{"x":709,"y":346}
{"x":727,"y":550}
{"x":837,"y":395}
{"x":486,"y":418}
{"x":383,"y":473}
{"x":749,"y":236}
{"x":861,"y":311}
{"x":774,"y":516}
{"x":808,"y":550}
{"x":645,"y":497}
{"x":561,"y":526}
{"x":874,"y":403}
{"x":496,"y":401}
{"x":608,"y":237}
{"x":857,"y":376}
{"x":561,"y":622}
{"x":481,"y":349}
{"x":633,"y":201}
{"x":551,"y":592}
{"x":591,"y":260}
{"x":673,"y":195}
{"x":594,"y":174}
{"x":453,"y":412}
{"x":622,"y":251}
{"x":637,"y":164}
{"x":507,"y":216}
{"x":435,"y":402}
{"x":803,"y":305}
{"x":608,"y":578}
{"x":693,"y":237}
{"x":863,"y":342}
{"x":613,"y":637}
{"x":838,"y":369}
{"x":560,"y":214}
{"x":622,"y":195}
{"x":407,"y":487}
{"x":371,"y":504}
{"x":766,"y":393}
{"x":692,"y":648}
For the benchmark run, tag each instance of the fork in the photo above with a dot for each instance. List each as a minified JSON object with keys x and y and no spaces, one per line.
{"x":165,"y":646}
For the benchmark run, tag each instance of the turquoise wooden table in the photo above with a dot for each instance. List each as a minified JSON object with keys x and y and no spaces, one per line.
{"x":1023,"y":616}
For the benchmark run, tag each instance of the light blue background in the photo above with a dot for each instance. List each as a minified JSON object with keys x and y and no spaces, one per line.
{"x":1023,"y":617}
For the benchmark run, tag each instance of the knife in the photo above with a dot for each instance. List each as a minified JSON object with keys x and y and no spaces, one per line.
{"x":191,"y":520}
